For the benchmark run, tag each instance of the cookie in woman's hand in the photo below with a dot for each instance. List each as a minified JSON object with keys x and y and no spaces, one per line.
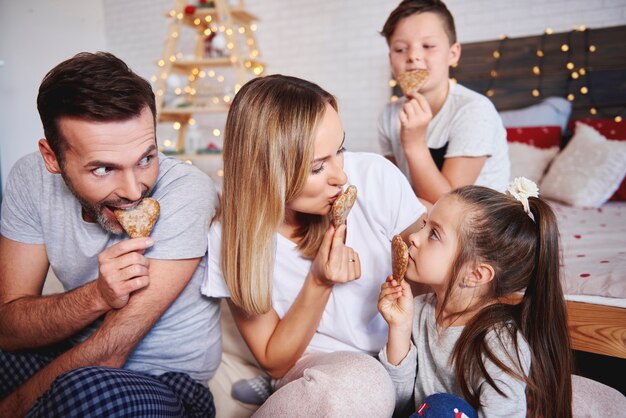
{"x":139,"y":220}
{"x":342,"y":205}
{"x":399,"y":258}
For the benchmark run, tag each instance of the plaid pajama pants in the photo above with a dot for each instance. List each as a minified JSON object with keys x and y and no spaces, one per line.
{"x":106,"y":392}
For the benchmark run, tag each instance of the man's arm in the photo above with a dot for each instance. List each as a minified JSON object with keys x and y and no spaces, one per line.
{"x":29,"y":320}
{"x":115,"y":339}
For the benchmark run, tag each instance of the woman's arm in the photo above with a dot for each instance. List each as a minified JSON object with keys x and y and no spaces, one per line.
{"x":278,"y":343}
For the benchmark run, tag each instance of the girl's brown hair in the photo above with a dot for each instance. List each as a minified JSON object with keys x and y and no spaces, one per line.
{"x":268,"y":151}
{"x":524,"y":254}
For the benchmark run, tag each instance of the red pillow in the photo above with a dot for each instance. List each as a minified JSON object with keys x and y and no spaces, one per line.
{"x":612,"y":130}
{"x":537,"y":136}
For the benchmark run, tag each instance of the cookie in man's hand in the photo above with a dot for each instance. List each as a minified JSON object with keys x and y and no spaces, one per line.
{"x":399,"y":258}
{"x":139,"y":220}
{"x":342,"y":205}
{"x":412,"y":81}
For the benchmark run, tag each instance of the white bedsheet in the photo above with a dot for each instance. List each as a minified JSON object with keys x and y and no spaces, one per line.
{"x":593,"y":243}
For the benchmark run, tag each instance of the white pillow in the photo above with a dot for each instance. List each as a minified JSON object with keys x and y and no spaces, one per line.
{"x":553,"y":111}
{"x":528,"y":161}
{"x":588,"y":171}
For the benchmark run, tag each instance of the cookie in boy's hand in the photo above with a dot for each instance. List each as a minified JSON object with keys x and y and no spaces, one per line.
{"x":399,"y":258}
{"x":342,"y":205}
{"x":412,"y":81}
{"x":139,"y":221}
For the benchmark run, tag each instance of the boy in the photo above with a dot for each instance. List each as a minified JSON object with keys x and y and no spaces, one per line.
{"x":443,"y":136}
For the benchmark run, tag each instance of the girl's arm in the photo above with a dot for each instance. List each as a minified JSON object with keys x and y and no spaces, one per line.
{"x":278,"y":343}
{"x":395,"y":304}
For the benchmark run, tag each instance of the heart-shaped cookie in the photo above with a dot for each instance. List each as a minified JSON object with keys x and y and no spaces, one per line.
{"x":139,"y":221}
{"x":342,"y":205}
{"x":412,"y":81}
{"x":399,"y":258}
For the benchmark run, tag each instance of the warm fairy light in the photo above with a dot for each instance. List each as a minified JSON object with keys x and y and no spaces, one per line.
{"x":220,"y":78}
{"x":493,"y":73}
{"x":548,"y":31}
{"x":189,"y":162}
{"x":456,"y":64}
{"x":195,"y":71}
{"x":153,"y":78}
{"x":191,"y":77}
{"x":582,"y":28}
{"x":258,"y":70}
{"x":220,"y":173}
{"x":582,"y":71}
{"x":187,"y":89}
{"x":393,"y":98}
{"x":237,"y":87}
{"x":565,"y":47}
{"x":593,"y":111}
{"x":490,"y":93}
{"x":229,"y":31}
{"x":454,"y":81}
{"x":159,"y":93}
{"x":618,"y":119}
{"x":167,"y":143}
{"x":536,"y":70}
{"x":536,"y":93}
{"x":192,"y":121}
{"x":592,"y":48}
{"x":393,"y":83}
{"x":574,"y":75}
{"x":172,"y":13}
{"x":179,"y":16}
{"x":230,"y":45}
{"x":211,"y":73}
{"x":242,"y":30}
{"x":174,"y":35}
{"x":161,"y":63}
{"x":173,"y":58}
{"x":539,"y":53}
{"x":216,"y":132}
{"x":571,"y":97}
{"x":196,"y":21}
{"x":192,"y":92}
{"x":215,"y":100}
{"x":254,"y":53}
{"x":226,"y":98}
{"x":503,"y":37}
{"x":584,"y":90}
{"x":496,"y":54}
{"x":176,"y":125}
{"x":248,"y":64}
{"x":253,"y":27}
{"x":208,"y":18}
{"x":207,"y":32}
{"x":222,"y":28}
{"x":178,"y":91}
{"x":569,"y":65}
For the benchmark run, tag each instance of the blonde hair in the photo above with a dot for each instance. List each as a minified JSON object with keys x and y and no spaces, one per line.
{"x":268,"y":150}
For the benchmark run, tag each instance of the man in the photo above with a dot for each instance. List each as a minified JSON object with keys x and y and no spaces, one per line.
{"x":131,"y":335}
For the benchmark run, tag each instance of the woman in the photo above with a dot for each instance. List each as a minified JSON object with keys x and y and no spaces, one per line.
{"x":302,"y":292}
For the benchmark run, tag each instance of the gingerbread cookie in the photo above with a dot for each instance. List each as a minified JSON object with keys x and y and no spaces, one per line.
{"x":139,"y":221}
{"x":343,"y":204}
{"x":399,"y":258}
{"x":412,"y":81}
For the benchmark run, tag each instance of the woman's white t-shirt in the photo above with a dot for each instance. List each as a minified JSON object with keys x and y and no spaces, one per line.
{"x":386,"y":205}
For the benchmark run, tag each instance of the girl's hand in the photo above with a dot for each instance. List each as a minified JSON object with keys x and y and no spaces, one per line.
{"x":414,"y":119}
{"x":395,"y":303}
{"x":335,"y":262}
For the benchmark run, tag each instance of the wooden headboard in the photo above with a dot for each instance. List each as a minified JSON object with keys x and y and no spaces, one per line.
{"x":604,"y":70}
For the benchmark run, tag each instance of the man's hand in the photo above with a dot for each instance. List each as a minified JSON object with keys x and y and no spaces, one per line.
{"x":123,"y":269}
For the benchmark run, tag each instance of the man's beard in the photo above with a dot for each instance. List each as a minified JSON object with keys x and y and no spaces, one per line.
{"x":96,"y":210}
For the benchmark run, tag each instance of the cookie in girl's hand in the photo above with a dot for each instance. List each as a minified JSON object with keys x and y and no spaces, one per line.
{"x":412,"y":81}
{"x":342,"y":205}
{"x":399,"y":258}
{"x":139,"y":220}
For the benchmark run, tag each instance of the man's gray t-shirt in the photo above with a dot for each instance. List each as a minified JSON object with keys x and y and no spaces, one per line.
{"x":38,"y":208}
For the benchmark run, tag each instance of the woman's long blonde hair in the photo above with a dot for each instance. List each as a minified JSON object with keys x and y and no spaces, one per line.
{"x":268,"y":150}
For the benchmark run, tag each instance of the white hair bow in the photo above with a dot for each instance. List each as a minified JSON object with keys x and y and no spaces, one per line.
{"x":521,"y":189}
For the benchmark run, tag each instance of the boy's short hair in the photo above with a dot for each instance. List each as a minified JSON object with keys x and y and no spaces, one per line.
{"x":407,"y":8}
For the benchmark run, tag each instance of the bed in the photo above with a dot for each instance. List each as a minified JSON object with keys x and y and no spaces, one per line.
{"x":542,"y":85}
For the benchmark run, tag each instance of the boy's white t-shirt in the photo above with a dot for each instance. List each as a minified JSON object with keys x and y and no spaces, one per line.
{"x":470,"y":125}
{"x":386,"y":205}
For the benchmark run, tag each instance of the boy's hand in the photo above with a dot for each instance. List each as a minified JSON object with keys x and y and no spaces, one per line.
{"x":414,"y":119}
{"x":335,"y":262}
{"x":122,"y":269}
{"x":395,"y":303}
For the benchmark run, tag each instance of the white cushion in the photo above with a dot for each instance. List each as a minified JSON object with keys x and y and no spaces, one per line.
{"x":528,"y":161}
{"x":553,"y":111}
{"x":588,"y":171}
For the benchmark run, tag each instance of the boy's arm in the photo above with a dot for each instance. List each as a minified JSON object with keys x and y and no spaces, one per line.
{"x":115,"y":339}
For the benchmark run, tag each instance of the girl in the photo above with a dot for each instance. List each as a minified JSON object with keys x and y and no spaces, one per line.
{"x":478,"y":247}
{"x":303,"y":294}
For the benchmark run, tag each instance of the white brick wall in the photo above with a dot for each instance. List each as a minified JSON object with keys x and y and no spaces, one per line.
{"x":336,"y":42}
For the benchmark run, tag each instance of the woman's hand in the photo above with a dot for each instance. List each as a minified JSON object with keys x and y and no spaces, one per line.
{"x":335,"y":262}
{"x":414,"y":119}
{"x":395,"y":303}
